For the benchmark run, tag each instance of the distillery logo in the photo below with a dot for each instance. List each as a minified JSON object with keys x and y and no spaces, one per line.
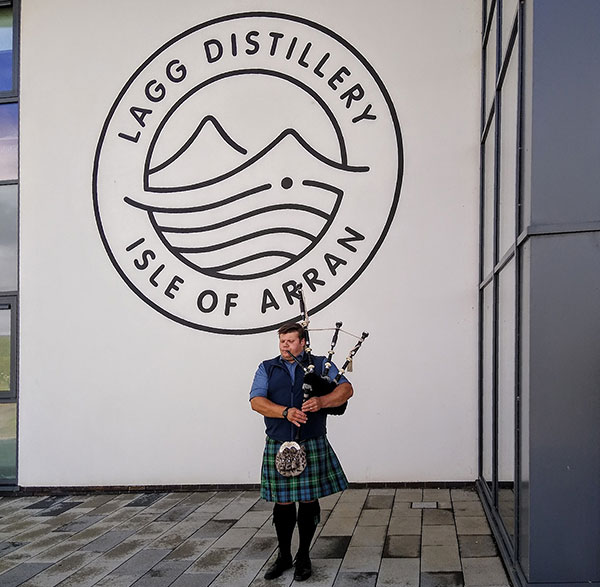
{"x":248,"y":155}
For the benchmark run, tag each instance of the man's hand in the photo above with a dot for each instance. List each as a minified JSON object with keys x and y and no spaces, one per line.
{"x":343,"y":392}
{"x":313,"y":404}
{"x":296,"y":417}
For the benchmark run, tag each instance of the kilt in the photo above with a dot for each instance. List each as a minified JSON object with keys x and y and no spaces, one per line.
{"x":323,"y":474}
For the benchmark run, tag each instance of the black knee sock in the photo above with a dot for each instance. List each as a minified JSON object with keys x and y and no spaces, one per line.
{"x":309,"y":515}
{"x":284,"y":518}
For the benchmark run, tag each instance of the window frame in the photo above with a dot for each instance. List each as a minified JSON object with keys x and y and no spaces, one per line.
{"x":13,"y":94}
{"x":9,"y":301}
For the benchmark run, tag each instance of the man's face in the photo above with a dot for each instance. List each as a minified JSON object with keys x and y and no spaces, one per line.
{"x":292,"y":343}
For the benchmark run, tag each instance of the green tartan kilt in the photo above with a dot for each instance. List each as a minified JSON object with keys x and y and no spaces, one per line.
{"x":323,"y":474}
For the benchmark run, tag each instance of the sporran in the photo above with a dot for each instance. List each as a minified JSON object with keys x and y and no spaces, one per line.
{"x":290,"y":459}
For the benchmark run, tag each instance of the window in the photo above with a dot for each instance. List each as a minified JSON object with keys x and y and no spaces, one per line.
{"x":9,"y":116}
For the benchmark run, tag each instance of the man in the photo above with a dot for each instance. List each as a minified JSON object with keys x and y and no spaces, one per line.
{"x":277,"y":394}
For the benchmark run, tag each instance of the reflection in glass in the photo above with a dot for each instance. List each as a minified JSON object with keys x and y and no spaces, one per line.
{"x":5,"y":362}
{"x":508,"y":158}
{"x":8,"y":141}
{"x":8,"y":238}
{"x":487,"y":374}
{"x":6,"y":49}
{"x":506,"y":395}
{"x":8,"y":443}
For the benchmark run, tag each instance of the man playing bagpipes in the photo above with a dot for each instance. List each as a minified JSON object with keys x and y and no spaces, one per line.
{"x":294,"y":392}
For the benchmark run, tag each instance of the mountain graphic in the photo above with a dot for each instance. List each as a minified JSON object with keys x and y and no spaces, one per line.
{"x":209,"y":150}
{"x":258,"y":216}
{"x":200,"y":152}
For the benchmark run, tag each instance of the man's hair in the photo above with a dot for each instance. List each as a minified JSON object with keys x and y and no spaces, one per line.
{"x":292,"y":327}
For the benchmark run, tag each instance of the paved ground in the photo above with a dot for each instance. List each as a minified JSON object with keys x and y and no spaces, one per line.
{"x":367,"y":537}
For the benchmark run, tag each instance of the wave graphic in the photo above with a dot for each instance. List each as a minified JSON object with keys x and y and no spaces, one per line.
{"x":235,"y":226}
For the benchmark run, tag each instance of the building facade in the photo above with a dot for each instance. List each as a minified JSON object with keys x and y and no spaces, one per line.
{"x":423,"y":170}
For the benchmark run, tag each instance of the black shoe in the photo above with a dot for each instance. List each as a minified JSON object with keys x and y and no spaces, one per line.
{"x":303,"y":568}
{"x":280,"y":565}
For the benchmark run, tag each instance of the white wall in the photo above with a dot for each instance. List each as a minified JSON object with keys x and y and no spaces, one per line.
{"x":113,"y":392}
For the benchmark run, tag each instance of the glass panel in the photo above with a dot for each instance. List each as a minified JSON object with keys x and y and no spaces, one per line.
{"x":488,"y":204}
{"x":8,"y":238}
{"x":490,"y":67}
{"x":487,"y":383}
{"x":508,"y":157}
{"x":506,"y":395}
{"x":8,"y":141}
{"x":8,"y":443}
{"x":6,"y":48}
{"x":5,"y":348}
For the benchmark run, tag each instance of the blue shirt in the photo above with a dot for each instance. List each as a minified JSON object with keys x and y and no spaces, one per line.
{"x":260,"y":385}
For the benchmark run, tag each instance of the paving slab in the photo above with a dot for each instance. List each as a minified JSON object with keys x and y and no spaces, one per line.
{"x":56,"y":573}
{"x":471,"y":546}
{"x":258,"y":548}
{"x":464,"y":495}
{"x":439,"y":536}
{"x":472,"y":525}
{"x":402,"y":547}
{"x":354,"y":495}
{"x":336,"y":526}
{"x":91,"y":573}
{"x":235,"y":538}
{"x":409,"y":494}
{"x":484,"y":572}
{"x":440,"y":559}
{"x":253,"y":519}
{"x":191,"y":549}
{"x":442,"y":579}
{"x":354,"y":579}
{"x":369,"y":536}
{"x":141,"y":562}
{"x":7,"y":547}
{"x":379,"y":501}
{"x":363,"y":559}
{"x":330,"y":547}
{"x":405,"y":508}
{"x":374,"y":517}
{"x":468,"y":508}
{"x":213,"y":560}
{"x":399,"y":572}
{"x":348,"y":509}
{"x":433,"y":494}
{"x":194,"y":580}
{"x":238,"y":573}
{"x":408,"y":525}
{"x":163,"y":574}
{"x":21,"y":573}
{"x":108,"y":540}
{"x":437,"y":517}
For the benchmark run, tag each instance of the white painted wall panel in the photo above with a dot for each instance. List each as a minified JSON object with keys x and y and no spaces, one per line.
{"x":113,"y":392}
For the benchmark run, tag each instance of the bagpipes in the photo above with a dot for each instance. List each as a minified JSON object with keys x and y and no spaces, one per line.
{"x":316,"y":384}
{"x":290,"y":459}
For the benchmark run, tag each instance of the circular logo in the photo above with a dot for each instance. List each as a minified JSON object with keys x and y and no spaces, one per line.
{"x":248,"y":156}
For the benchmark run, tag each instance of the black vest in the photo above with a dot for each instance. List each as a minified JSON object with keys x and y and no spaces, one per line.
{"x":282,"y":392}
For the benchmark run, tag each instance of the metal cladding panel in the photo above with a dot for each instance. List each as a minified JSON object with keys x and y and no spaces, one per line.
{"x":565,"y":120}
{"x":564,"y":409}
